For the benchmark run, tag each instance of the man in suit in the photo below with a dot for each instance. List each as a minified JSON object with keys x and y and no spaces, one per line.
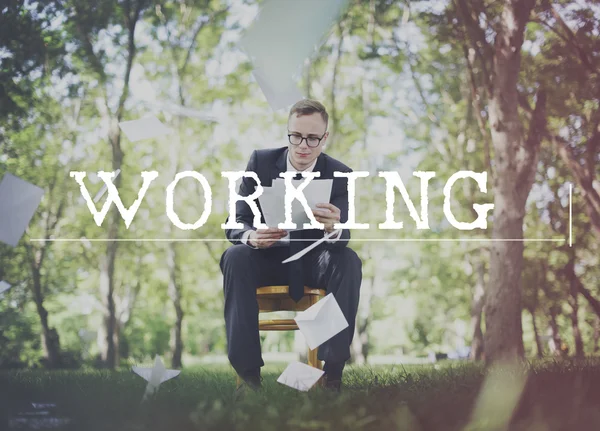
{"x":255,"y":258}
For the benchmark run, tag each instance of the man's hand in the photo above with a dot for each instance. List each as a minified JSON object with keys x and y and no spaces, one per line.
{"x":329,"y":215}
{"x":265,"y":238}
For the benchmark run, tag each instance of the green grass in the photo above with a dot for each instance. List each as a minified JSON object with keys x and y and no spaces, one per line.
{"x":556,"y":396}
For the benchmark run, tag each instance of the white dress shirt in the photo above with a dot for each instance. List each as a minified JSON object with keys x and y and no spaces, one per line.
{"x":286,"y":239}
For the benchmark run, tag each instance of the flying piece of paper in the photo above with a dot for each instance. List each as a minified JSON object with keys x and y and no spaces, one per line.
{"x":310,"y":247}
{"x":18,"y":202}
{"x":105,"y":187}
{"x":274,"y":48}
{"x":144,"y":128}
{"x":300,"y":376}
{"x":321,"y":321}
{"x":184,"y":111}
{"x":279,"y":94}
{"x":155,"y":376}
{"x":4,"y":286}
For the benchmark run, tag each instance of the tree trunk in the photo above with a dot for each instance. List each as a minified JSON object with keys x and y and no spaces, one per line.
{"x":108,"y":346}
{"x":360,"y":342}
{"x":569,"y":271}
{"x":555,"y":343}
{"x":515,"y":160}
{"x":108,"y":343}
{"x":49,"y":336}
{"x":110,"y":352}
{"x":536,"y":333}
{"x":477,"y":304}
{"x":596,"y":336}
{"x":125,"y":306}
{"x":579,"y":352}
{"x":175,"y":296}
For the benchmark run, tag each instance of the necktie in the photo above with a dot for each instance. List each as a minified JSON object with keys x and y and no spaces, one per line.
{"x":296,"y":274}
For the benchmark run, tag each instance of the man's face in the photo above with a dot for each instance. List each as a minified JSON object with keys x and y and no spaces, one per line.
{"x":306,"y":126}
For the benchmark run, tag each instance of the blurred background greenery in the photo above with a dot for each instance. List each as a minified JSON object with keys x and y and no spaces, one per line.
{"x":407,"y":86}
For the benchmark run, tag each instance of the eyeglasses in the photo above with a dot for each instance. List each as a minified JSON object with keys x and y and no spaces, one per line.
{"x":311,"y":141}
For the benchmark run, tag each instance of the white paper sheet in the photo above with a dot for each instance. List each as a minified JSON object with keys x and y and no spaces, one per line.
{"x":310,"y":247}
{"x":287,"y":32}
{"x":272,"y":201}
{"x":184,"y":111}
{"x":279,"y":93}
{"x":155,"y":376}
{"x":321,"y":321}
{"x":144,"y":128}
{"x":18,"y":202}
{"x":4,"y":286}
{"x":146,"y":374}
{"x":300,"y":376}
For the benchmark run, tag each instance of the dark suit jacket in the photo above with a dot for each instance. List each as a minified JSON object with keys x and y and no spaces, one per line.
{"x":267,"y":164}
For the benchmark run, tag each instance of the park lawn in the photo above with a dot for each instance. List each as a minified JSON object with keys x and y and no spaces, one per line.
{"x":555,"y":396}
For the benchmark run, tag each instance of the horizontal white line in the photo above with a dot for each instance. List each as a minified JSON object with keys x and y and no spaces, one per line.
{"x":353,"y":239}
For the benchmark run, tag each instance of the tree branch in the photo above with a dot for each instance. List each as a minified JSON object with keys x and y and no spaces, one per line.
{"x":211,"y":252}
{"x":334,"y":118}
{"x":477,"y":107}
{"x":573,"y":40}
{"x":95,"y":62}
{"x":131,"y":21}
{"x":594,"y":303}
{"x":589,"y":193}
{"x":477,"y":35}
{"x":210,"y":19}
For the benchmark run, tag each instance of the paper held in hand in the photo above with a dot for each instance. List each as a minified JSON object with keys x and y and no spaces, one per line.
{"x":300,"y":376}
{"x":321,"y":321}
{"x":272,"y":201}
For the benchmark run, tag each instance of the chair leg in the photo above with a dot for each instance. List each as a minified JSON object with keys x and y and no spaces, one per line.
{"x":312,"y":355}
{"x":313,"y":361}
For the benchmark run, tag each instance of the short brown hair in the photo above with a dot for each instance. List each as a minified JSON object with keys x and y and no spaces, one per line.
{"x":309,"y":106}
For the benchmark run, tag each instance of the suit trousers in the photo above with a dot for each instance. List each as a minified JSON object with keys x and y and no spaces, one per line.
{"x":337,"y":270}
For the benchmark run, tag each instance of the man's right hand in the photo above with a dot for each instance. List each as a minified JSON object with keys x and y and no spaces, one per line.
{"x":264,"y":238}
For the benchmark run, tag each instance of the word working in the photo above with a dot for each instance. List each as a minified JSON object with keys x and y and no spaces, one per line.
{"x":392,"y":179}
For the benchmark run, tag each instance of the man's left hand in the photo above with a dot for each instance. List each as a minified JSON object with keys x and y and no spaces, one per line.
{"x":328,"y":215}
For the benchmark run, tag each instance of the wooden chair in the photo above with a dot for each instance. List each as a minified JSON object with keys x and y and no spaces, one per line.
{"x":277,"y":298}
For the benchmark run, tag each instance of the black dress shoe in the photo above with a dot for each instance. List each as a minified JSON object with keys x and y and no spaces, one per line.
{"x":251,"y":381}
{"x":333,"y":375}
{"x":334,"y":385}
